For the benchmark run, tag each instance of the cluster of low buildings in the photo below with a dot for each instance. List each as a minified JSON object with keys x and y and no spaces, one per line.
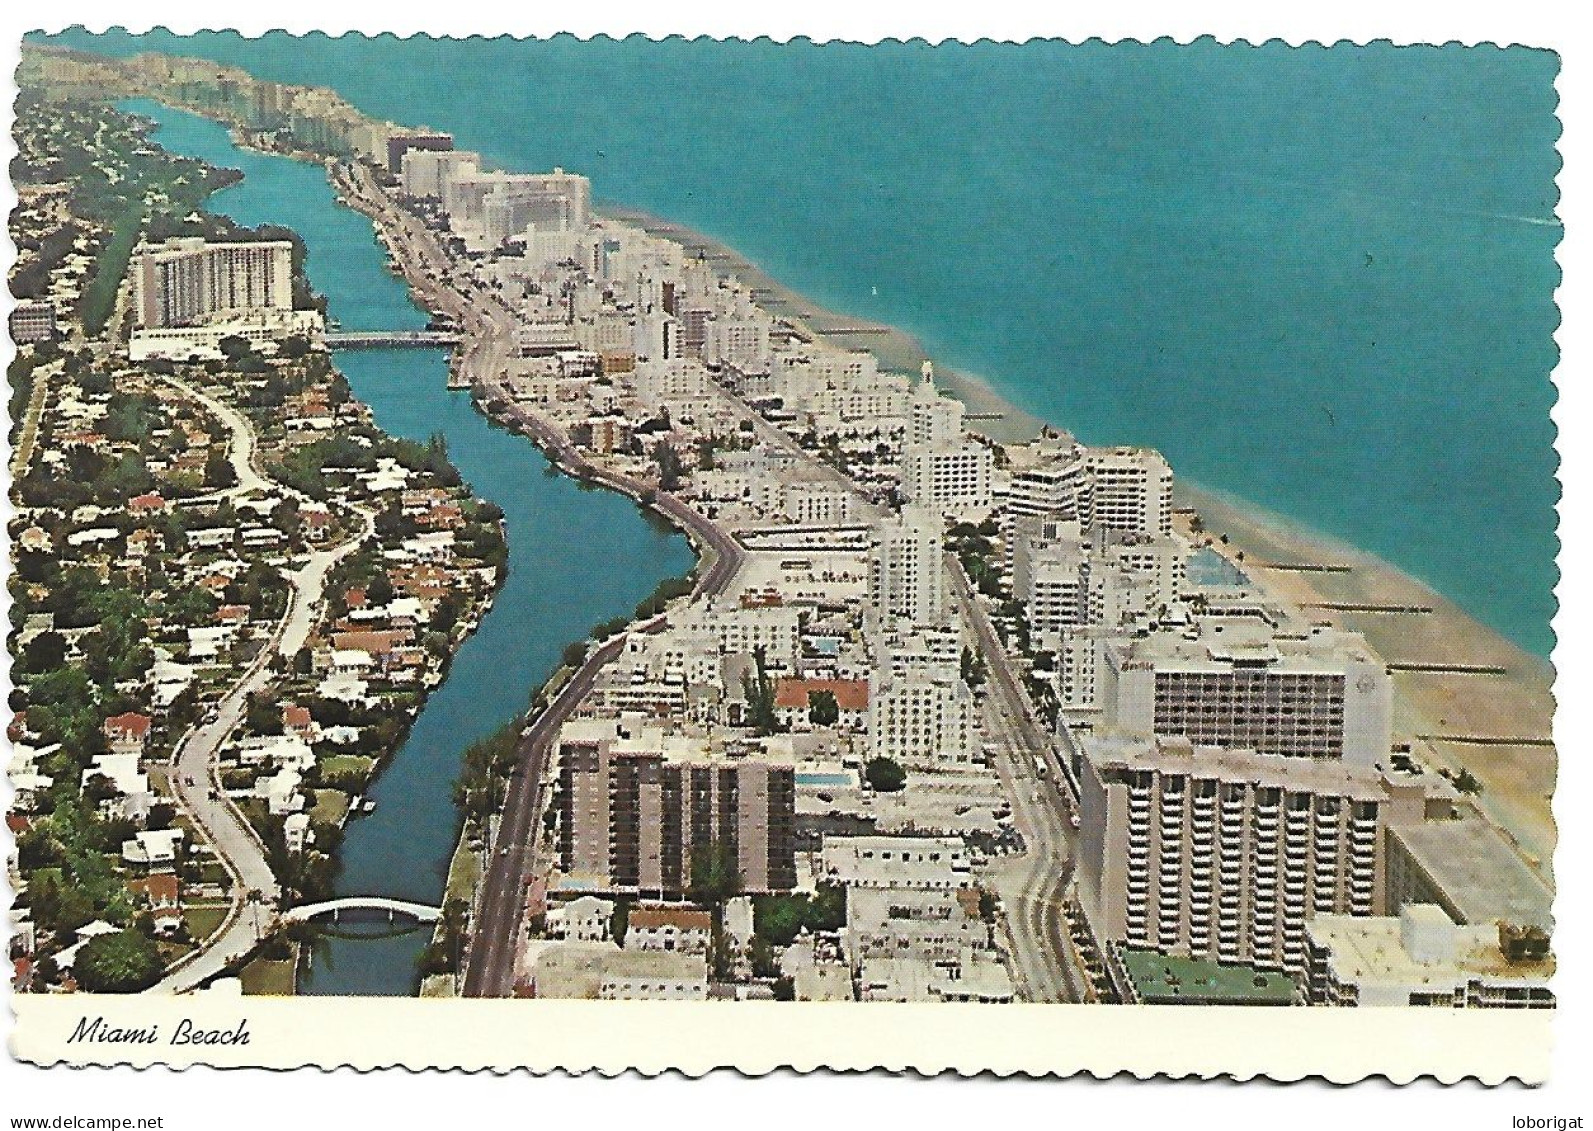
{"x":156,"y":558}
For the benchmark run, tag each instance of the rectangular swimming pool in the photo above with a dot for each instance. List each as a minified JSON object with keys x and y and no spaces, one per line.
{"x":845,"y":778}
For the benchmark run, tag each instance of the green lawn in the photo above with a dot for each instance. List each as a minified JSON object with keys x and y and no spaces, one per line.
{"x":464,"y":870}
{"x":269,"y":977}
{"x":203,"y":919}
{"x":100,"y":295}
{"x":340,"y":764}
{"x":330,"y":806}
{"x":254,"y":811}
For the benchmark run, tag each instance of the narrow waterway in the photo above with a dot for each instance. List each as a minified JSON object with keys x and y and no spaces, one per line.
{"x":576,"y":556}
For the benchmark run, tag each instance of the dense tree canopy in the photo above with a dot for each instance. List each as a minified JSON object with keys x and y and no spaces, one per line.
{"x":884,"y":775}
{"x":122,"y":963}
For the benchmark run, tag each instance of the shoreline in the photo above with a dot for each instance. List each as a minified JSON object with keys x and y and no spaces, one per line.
{"x":989,"y":414}
{"x":1487,"y":709}
{"x":1439,"y":712}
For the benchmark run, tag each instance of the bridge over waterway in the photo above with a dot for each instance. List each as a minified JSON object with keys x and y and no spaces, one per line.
{"x":421,"y":912}
{"x":391,"y":339}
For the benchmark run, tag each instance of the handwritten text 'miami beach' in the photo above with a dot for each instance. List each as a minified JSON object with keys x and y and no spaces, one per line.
{"x":98,"y":1032}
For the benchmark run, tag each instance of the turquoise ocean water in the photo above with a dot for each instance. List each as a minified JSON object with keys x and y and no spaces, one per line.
{"x":1320,"y":279}
{"x":576,"y":557}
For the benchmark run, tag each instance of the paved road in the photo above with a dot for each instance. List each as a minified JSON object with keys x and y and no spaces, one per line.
{"x":29,"y":436}
{"x":1035,"y":893}
{"x":489,"y":970}
{"x":1034,"y":885}
{"x":195,"y":781}
{"x":242,"y":451}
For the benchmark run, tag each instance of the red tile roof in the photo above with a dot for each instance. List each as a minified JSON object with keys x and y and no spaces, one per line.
{"x":161,"y":888}
{"x":131,"y":724}
{"x":681,"y":918}
{"x":378,"y":642}
{"x":850,"y":694}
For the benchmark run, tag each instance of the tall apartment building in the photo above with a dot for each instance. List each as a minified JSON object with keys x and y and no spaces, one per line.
{"x":907,"y":571}
{"x":776,"y":630}
{"x":1049,"y":573}
{"x":630,"y":819}
{"x":1131,"y":490}
{"x":182,"y":282}
{"x":427,"y":171}
{"x":922,"y":723}
{"x":657,"y":337}
{"x":400,"y":145}
{"x":920,"y":652}
{"x":268,"y":105}
{"x":737,"y":336}
{"x":1122,"y":490}
{"x":1225,"y":854}
{"x":952,"y":477}
{"x":1080,"y":654}
{"x":1237,"y":682}
{"x":32,"y":322}
{"x":1052,"y":481}
{"x":933,"y":420}
{"x":549,"y":201}
{"x":1048,"y":477}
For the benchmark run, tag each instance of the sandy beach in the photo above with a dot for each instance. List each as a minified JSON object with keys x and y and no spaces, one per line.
{"x":1466,"y":698}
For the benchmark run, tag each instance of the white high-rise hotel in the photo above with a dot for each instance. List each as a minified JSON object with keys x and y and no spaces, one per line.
{"x":1121,"y":489}
{"x":922,"y":723}
{"x":185,"y":281}
{"x":941,"y":467}
{"x":1305,"y":693}
{"x":907,"y":572}
{"x":1226,"y":854}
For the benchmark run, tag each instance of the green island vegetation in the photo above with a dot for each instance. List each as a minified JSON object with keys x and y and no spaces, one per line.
{"x":119,"y":181}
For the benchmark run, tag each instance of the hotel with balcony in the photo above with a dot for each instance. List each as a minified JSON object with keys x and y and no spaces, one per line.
{"x":1225,"y":854}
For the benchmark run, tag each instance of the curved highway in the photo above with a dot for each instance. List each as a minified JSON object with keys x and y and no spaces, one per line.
{"x":487,"y":328}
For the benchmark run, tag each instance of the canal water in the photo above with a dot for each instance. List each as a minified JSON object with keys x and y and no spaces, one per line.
{"x":576,"y":556}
